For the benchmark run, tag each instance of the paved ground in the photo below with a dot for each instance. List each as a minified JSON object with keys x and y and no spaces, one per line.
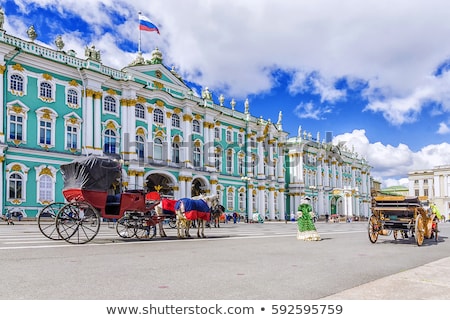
{"x":430,"y":282}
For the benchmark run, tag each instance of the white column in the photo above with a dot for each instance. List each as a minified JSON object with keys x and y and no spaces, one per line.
{"x":97,"y":123}
{"x":88,"y":134}
{"x":437,"y":186}
{"x":421,"y":187}
{"x":271,"y":202}
{"x":281,"y":204}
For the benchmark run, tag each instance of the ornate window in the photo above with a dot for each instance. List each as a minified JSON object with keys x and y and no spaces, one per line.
{"x":175,"y":152}
{"x":230,"y":199}
{"x":46,"y":127}
{"x":45,"y":188}
{"x":229,"y":135}
{"x":229,"y":161}
{"x":45,"y":90}
{"x":139,"y":111}
{"x":175,"y":121}
{"x":218,"y":159}
{"x":217,"y":133}
{"x":109,"y":104}
{"x":158,"y":116}
{"x":16,"y":83}
{"x":110,"y":141}
{"x":140,"y":144}
{"x":158,"y":149}
{"x":242,"y":200}
{"x":71,"y":137}
{"x":72,"y":97}
{"x":240,"y":139}
{"x":15,"y":186}
{"x":241,"y":164}
{"x":15,"y":127}
{"x":197,"y":157}
{"x":196,"y":126}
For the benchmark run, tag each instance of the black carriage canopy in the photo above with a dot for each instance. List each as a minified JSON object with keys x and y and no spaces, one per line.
{"x":91,"y":173}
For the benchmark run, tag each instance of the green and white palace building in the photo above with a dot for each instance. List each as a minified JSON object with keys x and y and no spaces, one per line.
{"x":56,"y":107}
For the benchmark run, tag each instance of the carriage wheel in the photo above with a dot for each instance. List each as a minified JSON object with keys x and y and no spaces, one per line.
{"x":126,"y":227}
{"x":77,"y":222}
{"x":47,"y":220}
{"x":173,"y":222}
{"x":144,"y":231}
{"x":419,"y":230}
{"x":373,"y":229}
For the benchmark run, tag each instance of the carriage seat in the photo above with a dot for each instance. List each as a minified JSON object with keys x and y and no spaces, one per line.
{"x":112,"y":206}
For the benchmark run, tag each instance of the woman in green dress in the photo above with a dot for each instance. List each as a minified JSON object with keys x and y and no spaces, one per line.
{"x":306,"y":228}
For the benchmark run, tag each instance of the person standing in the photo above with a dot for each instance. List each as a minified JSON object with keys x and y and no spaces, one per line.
{"x":306,"y":229}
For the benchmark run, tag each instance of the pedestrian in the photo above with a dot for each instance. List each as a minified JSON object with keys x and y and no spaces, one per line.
{"x":326,"y":217}
{"x":305,"y":224}
{"x":234,"y":217}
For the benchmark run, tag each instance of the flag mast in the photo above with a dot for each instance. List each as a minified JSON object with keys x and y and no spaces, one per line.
{"x":139,"y":44}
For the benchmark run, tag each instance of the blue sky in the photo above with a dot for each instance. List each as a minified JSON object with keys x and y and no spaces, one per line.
{"x":375,"y":73}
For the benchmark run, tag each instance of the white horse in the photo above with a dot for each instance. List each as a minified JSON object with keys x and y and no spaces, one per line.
{"x":198,"y":208}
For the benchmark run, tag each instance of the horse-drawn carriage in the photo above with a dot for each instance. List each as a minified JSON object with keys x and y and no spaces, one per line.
{"x":90,"y":197}
{"x":406,"y":217}
{"x":88,"y":192}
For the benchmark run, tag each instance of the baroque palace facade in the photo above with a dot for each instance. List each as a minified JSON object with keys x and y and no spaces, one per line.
{"x":57,"y":107}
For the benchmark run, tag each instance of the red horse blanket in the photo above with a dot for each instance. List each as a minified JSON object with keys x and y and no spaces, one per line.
{"x":168,"y":206}
{"x":194,"y":209}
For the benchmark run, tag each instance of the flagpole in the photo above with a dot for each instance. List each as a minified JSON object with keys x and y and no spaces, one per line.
{"x":139,"y":44}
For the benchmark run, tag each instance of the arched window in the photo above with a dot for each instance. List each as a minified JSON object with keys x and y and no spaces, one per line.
{"x":229,"y":136}
{"x":72,"y":137}
{"x":45,"y":90}
{"x":240,"y":139}
{"x":242,"y":201}
{"x":109,"y":104}
{"x":241,"y":164}
{"x":175,"y":121}
{"x":229,"y":161}
{"x":230,"y":199}
{"x":158,"y":116}
{"x":45,"y":188}
{"x":197,"y":157}
{"x":217,"y":133}
{"x":72,"y":97}
{"x":139,"y":111}
{"x":175,"y":152}
{"x":218,"y":159}
{"x":110,"y":140}
{"x":196,"y":126}
{"x":140,"y":143}
{"x":158,"y":149}
{"x":16,"y":83}
{"x":15,"y":186}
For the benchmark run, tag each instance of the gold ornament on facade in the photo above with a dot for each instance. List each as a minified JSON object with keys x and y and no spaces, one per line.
{"x":47,"y":77}
{"x":89,"y":93}
{"x":198,"y":117}
{"x":73,"y":83}
{"x":2,"y":69}
{"x":168,"y":115}
{"x":187,"y":117}
{"x":213,"y":181}
{"x":158,"y":85}
{"x":261,"y":187}
{"x":159,"y":103}
{"x":141,"y":99}
{"x":46,"y":171}
{"x":149,"y":109}
{"x":18,"y":67}
{"x":158,"y":74}
{"x":47,"y":114}
{"x":111,"y":92}
{"x":271,"y":189}
{"x":97,"y":94}
{"x":140,"y":131}
{"x":110,"y":125}
{"x":158,"y":188}
{"x":177,"y":110}
{"x":17,"y":109}
{"x":16,"y":168}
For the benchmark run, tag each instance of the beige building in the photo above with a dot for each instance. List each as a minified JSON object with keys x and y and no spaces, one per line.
{"x":433,"y":183}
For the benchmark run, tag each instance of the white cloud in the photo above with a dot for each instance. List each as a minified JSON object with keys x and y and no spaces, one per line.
{"x":392,"y":163}
{"x":311,"y":111}
{"x":443,"y":128}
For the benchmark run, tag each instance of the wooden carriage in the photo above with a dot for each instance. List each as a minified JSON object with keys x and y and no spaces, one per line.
{"x":406,"y":217}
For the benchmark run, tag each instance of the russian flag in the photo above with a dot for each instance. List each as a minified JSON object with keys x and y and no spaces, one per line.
{"x":146,"y":25}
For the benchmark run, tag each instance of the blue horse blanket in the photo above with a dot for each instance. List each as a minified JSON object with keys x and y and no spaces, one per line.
{"x":194,"y":209}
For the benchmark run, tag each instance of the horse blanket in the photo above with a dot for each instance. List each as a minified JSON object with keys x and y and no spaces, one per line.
{"x":168,"y":206}
{"x":194,"y":209}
